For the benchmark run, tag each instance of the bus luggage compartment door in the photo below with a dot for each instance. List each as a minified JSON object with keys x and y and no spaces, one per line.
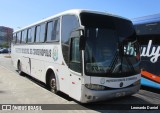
{"x":26,"y":65}
{"x":75,"y":85}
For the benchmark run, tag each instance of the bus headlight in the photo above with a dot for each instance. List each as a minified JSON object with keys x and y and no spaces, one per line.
{"x":94,"y":86}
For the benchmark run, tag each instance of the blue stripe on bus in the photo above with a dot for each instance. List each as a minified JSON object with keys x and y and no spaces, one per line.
{"x":147,"y":82}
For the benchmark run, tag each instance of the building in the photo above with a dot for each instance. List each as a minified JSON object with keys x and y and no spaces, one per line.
{"x":5,"y":36}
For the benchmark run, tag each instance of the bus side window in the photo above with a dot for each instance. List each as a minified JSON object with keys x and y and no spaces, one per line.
{"x":56,"y":30}
{"x":53,"y":30}
{"x":69,"y":23}
{"x":29,"y":39}
{"x":33,"y":34}
{"x":18,"y":37}
{"x":42,"y":32}
{"x":24,"y":36}
{"x":37,"y":33}
{"x":49,"y":31}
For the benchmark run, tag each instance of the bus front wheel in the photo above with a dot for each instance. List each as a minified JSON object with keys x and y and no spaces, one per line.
{"x":52,"y":84}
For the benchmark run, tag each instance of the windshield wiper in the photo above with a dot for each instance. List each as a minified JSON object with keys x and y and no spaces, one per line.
{"x":113,"y":63}
{"x":120,"y":54}
{"x":130,"y":64}
{"x":128,"y":61}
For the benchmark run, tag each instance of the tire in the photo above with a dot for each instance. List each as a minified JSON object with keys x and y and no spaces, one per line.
{"x":19,"y":68}
{"x":52,"y":84}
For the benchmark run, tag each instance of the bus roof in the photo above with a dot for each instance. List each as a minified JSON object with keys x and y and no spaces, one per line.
{"x":147,"y":19}
{"x":73,"y":11}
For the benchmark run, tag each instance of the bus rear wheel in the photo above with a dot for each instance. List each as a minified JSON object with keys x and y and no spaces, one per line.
{"x":52,"y":84}
{"x":19,"y":68}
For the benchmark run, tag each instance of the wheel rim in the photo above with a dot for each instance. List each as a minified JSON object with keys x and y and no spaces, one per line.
{"x":53,"y":84}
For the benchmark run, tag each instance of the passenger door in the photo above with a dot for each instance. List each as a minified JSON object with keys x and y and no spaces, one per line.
{"x":70,"y":75}
{"x":75,"y":69}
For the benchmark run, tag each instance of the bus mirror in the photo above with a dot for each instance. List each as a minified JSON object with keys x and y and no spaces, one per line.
{"x":82,"y":43}
{"x":79,"y":33}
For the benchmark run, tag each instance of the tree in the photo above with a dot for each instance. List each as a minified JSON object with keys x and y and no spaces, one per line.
{"x":8,"y":37}
{"x":5,"y":45}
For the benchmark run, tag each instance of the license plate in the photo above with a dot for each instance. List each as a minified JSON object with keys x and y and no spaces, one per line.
{"x":120,"y":94}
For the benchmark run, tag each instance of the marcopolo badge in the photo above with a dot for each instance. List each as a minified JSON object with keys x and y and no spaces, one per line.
{"x":55,"y":53}
{"x":102,"y":81}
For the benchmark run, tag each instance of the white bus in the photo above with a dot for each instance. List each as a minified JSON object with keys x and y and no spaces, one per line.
{"x":88,"y":55}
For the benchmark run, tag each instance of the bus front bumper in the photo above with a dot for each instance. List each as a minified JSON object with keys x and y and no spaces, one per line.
{"x":95,"y":95}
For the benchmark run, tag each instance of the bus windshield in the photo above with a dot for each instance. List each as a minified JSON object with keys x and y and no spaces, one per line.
{"x":111,"y":46}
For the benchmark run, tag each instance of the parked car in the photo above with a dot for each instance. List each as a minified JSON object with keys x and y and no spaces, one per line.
{"x":4,"y":50}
